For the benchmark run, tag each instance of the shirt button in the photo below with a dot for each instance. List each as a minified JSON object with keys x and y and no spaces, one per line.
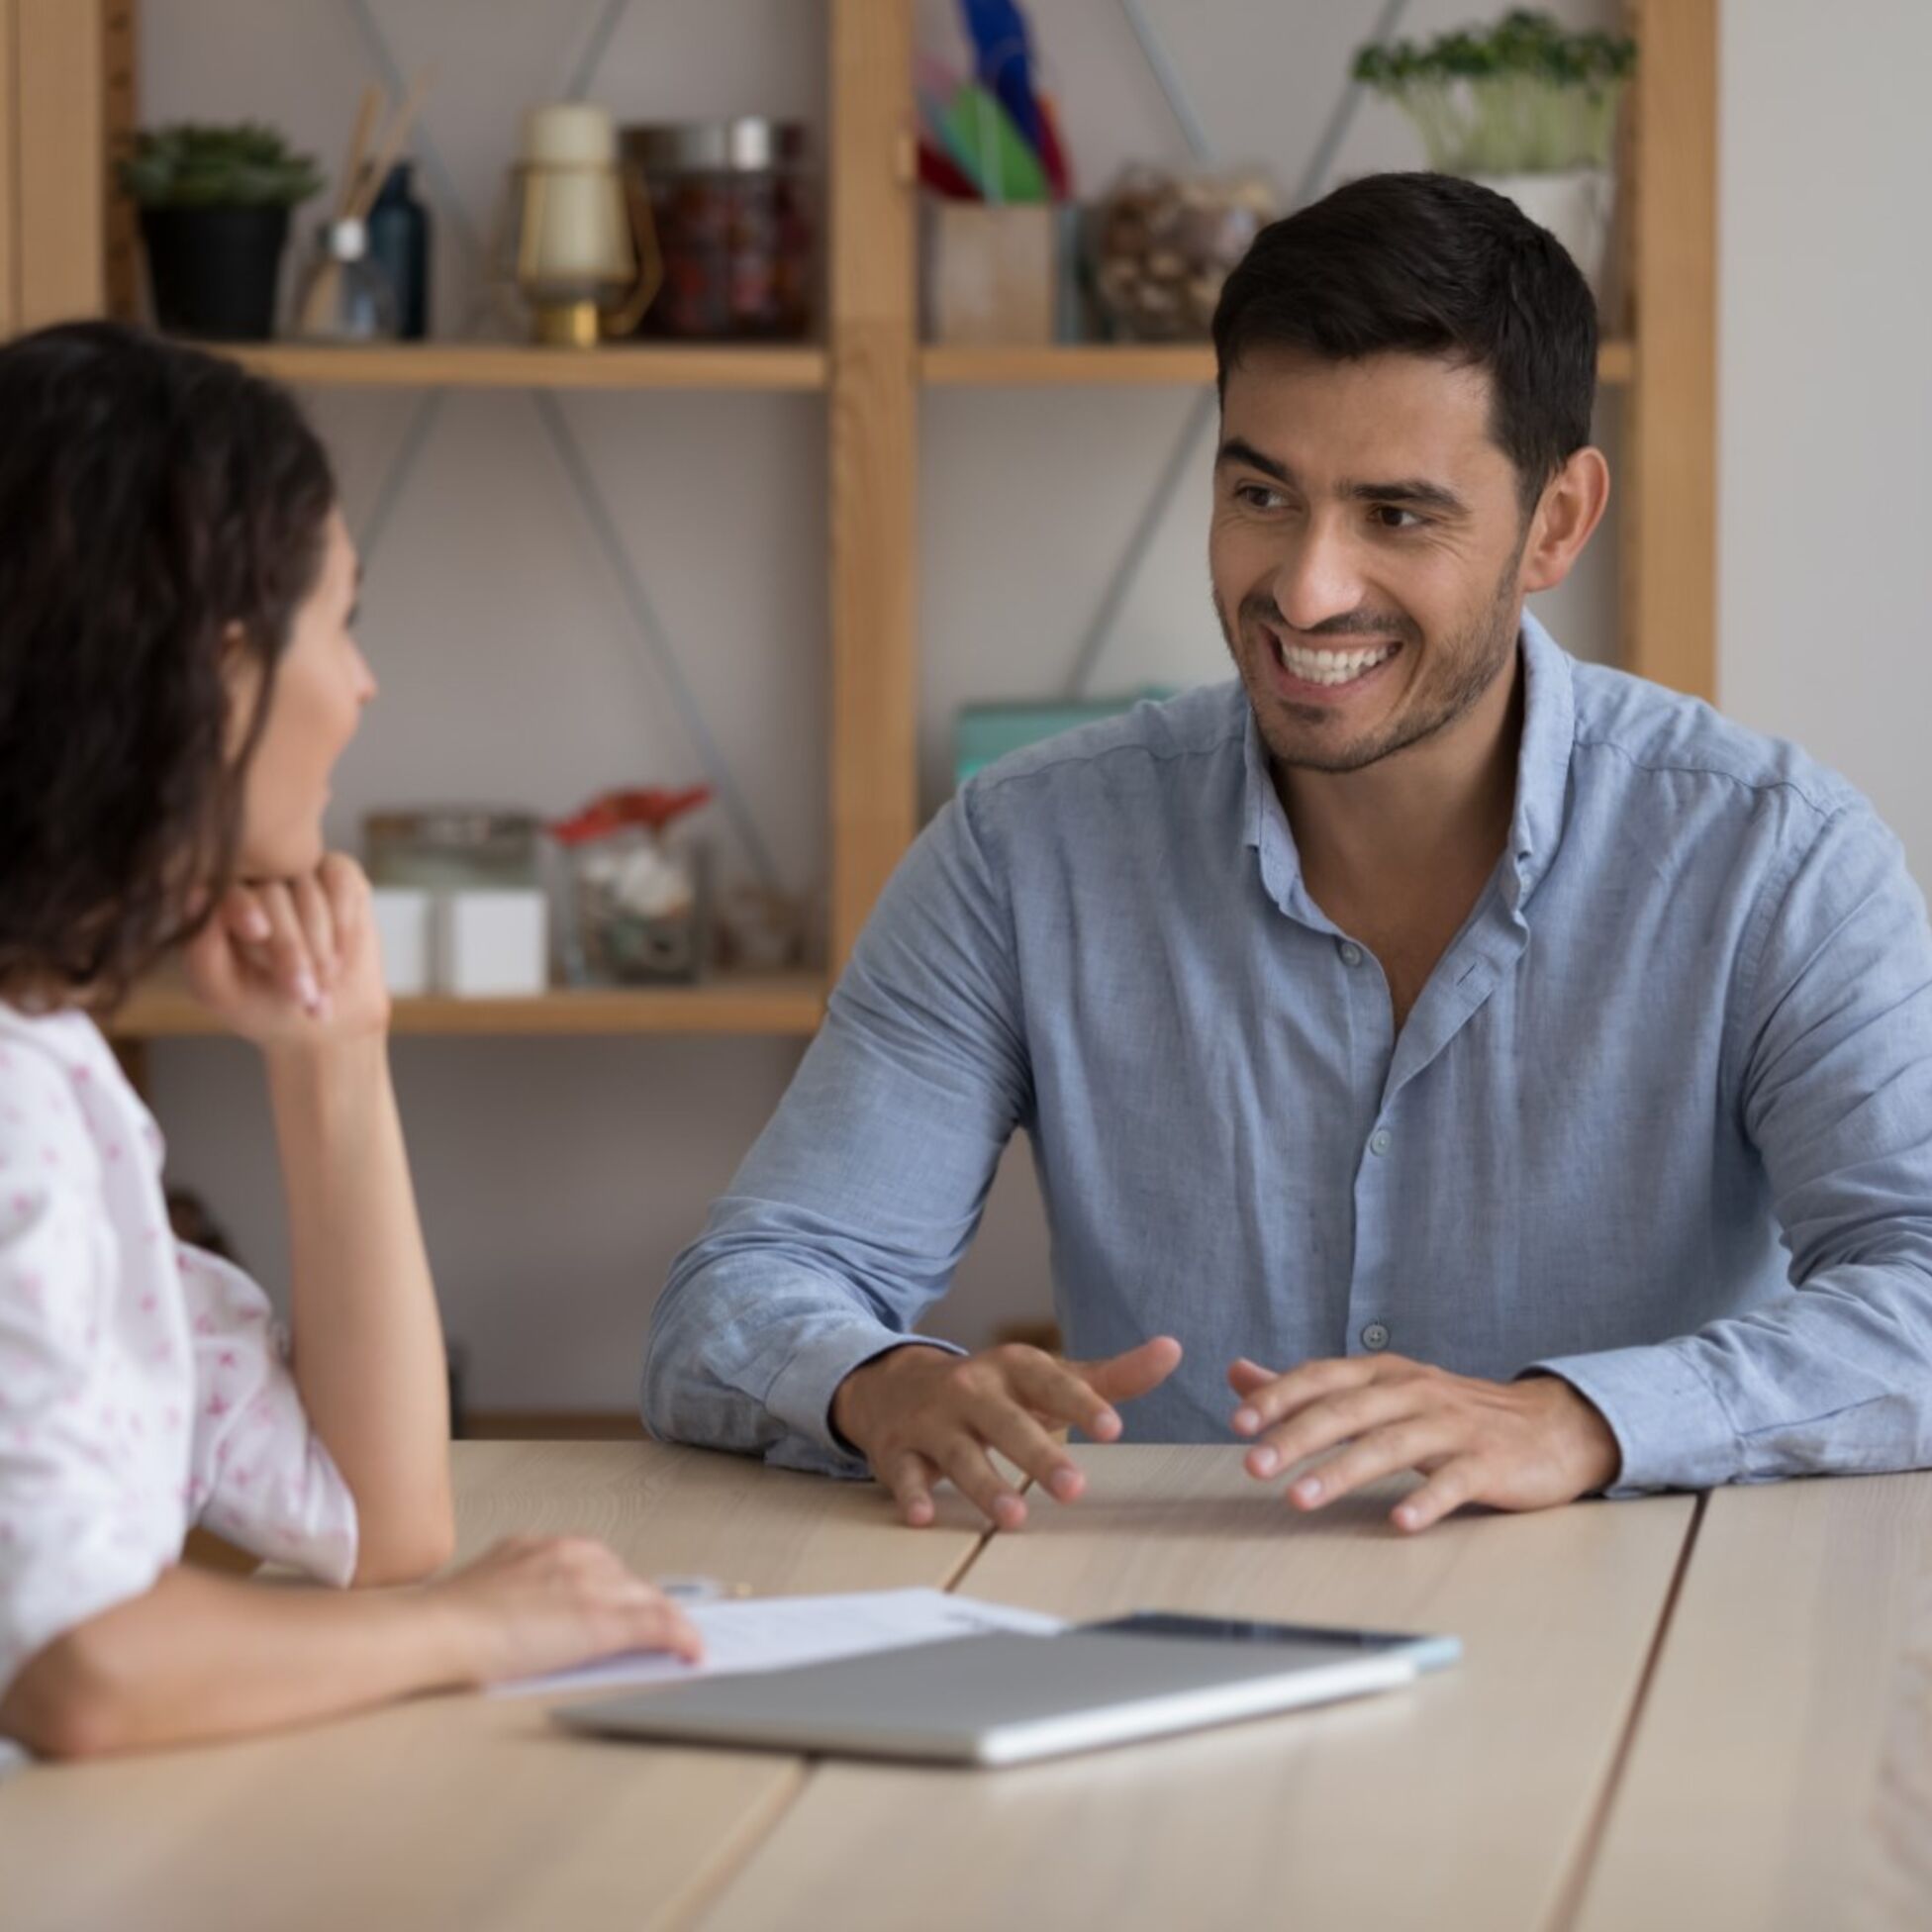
{"x":1351,"y":953}
{"x":1379,"y":1141}
{"x":1375,"y":1336}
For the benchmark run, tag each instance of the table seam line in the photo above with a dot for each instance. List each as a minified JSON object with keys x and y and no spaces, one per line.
{"x":1571,"y":1899}
{"x":981,"y":1544}
{"x":711,"y":1887}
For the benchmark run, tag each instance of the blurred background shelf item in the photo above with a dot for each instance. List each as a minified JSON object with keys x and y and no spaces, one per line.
{"x":731,"y":202}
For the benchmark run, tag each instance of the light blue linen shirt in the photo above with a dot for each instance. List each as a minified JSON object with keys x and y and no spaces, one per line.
{"x":1692,"y":1010}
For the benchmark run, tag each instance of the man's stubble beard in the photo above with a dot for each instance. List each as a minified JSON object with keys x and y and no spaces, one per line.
{"x":1492,"y":641}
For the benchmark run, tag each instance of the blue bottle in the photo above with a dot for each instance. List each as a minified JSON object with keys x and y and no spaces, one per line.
{"x":399,"y":245}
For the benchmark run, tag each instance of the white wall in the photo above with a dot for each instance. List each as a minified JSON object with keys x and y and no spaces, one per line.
{"x":1826,"y":351}
{"x":558,"y":1179}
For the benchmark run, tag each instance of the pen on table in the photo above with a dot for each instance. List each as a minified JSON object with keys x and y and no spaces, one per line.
{"x":699,"y":1589}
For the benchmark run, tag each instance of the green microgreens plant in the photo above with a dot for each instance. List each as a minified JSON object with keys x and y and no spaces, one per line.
{"x":192,"y":165}
{"x":1523,"y":98}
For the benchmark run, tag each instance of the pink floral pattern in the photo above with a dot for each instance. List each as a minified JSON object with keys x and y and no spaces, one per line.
{"x":143,"y":1385}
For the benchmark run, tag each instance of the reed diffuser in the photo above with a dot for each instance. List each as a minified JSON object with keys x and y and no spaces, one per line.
{"x":343,"y":294}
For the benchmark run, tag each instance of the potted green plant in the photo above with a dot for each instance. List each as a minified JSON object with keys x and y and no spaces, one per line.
{"x":1523,"y":107}
{"x":213,"y":204}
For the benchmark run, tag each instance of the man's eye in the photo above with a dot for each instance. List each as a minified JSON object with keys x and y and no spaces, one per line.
{"x":1392,"y":516}
{"x":1258,"y":495}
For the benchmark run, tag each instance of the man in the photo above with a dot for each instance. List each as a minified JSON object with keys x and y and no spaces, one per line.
{"x":1430,"y":1031}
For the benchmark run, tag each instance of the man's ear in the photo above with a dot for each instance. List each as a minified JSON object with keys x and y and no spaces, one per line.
{"x":1572,"y":506}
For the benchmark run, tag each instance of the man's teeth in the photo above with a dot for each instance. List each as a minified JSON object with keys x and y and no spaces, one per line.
{"x":1330,"y":666}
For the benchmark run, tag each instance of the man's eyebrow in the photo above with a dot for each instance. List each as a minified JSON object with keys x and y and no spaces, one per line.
{"x":1234,"y":450}
{"x":1414,"y":489}
{"x":1417,"y":491}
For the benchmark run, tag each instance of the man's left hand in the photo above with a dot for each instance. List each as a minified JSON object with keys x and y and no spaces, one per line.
{"x":1514,"y":1445}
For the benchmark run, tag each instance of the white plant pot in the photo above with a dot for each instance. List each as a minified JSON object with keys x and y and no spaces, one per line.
{"x":1576,"y":207}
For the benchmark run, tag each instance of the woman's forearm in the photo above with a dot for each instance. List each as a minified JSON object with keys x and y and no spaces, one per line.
{"x":368,"y":1356}
{"x":201,"y":1656}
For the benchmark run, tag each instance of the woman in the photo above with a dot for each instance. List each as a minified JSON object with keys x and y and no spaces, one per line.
{"x":178,"y":679}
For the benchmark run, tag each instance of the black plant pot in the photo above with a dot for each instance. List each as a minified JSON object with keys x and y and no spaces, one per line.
{"x":214,"y":270}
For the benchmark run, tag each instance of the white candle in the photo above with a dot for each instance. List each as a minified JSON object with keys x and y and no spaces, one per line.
{"x":576,"y":234}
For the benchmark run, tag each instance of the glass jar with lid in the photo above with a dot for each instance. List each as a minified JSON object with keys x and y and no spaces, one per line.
{"x":730,"y":202}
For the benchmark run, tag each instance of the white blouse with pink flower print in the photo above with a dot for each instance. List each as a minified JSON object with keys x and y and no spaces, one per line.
{"x":143,"y":1385}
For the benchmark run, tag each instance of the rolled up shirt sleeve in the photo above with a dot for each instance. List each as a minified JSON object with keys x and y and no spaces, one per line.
{"x":1834,"y":1038}
{"x":260,"y":1476}
{"x":852,"y":1211}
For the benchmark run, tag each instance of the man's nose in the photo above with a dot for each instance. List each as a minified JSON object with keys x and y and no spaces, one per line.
{"x":1318,"y":578}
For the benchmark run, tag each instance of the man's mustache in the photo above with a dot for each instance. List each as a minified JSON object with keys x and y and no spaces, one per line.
{"x":1351,"y":624}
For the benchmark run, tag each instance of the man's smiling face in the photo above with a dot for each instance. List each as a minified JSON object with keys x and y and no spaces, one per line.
{"x":1366,"y":548}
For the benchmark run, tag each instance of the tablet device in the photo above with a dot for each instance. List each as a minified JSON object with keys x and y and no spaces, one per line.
{"x":1003,"y":1698}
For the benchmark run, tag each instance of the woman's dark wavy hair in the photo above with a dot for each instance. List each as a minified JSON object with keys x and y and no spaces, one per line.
{"x":1429,"y":265}
{"x":159,"y":509}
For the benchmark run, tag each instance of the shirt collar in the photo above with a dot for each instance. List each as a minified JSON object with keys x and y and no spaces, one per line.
{"x":1542,"y":786}
{"x":1543,"y":759}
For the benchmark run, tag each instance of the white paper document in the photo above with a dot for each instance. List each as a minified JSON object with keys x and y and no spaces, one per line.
{"x":768,"y":1633}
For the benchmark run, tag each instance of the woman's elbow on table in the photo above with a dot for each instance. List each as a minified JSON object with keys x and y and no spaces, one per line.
{"x":406,"y":1555}
{"x":65,"y":1701}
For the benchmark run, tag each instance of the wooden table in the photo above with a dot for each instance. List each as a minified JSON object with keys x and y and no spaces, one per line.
{"x":463,"y":1812}
{"x":1781,"y":1778}
{"x":1670,"y":1713}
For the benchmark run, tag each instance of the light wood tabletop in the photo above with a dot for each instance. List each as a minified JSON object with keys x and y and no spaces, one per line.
{"x":1668,"y":1713}
{"x":1782,"y":1771}
{"x":462,"y":1811}
{"x":1466,"y":1800}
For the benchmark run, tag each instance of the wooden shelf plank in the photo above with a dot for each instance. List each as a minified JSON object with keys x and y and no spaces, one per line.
{"x":873,"y":442}
{"x":789,"y":1003}
{"x":1026,"y":365}
{"x":511,"y":365}
{"x":1669,"y":523}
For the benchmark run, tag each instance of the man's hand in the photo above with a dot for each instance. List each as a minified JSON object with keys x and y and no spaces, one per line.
{"x":917,"y":1415}
{"x":1514,"y":1445}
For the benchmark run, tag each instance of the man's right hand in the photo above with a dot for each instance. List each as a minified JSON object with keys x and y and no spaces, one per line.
{"x":917,"y":1415}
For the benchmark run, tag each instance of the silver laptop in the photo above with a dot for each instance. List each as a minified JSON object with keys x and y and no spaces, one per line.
{"x":1005,"y":1699}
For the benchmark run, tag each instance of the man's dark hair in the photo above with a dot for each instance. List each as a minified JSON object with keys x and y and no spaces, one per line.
{"x":159,"y":510}
{"x":1429,"y":265}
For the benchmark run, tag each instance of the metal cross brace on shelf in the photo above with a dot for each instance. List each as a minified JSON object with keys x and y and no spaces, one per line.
{"x":1206,"y":407}
{"x":646,"y":625}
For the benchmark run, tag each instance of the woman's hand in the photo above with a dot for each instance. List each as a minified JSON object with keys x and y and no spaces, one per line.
{"x":288,"y":961}
{"x":531,"y":1605}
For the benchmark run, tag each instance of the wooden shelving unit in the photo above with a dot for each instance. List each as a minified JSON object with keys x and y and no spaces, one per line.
{"x":494,"y":366}
{"x":1129,"y":365}
{"x":791,"y":1003}
{"x":67,"y":95}
{"x":513,"y":365}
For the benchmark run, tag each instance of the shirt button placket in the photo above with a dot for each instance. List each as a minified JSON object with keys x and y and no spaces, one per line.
{"x":1373,"y":1335}
{"x":1371,"y":1183}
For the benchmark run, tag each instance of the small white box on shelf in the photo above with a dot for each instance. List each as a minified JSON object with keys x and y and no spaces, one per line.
{"x":402,"y":916}
{"x":493,"y":943}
